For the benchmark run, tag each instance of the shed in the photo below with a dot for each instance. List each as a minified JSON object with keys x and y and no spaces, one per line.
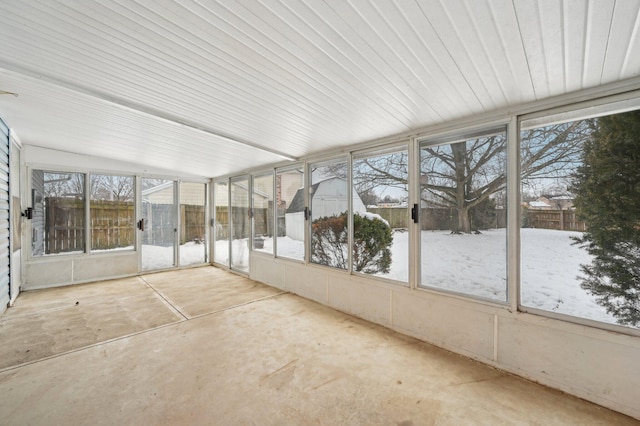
{"x":328,"y":198}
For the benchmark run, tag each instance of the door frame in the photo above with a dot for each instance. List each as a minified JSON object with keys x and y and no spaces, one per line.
{"x":140,"y":217}
{"x":232,"y":180}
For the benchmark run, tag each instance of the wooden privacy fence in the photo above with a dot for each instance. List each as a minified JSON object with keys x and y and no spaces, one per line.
{"x":445,"y":219}
{"x":161,"y":227}
{"x":262,"y":222}
{"x":159,"y":224}
{"x":113,"y":224}
{"x":433,"y":218}
{"x":63,"y":225}
{"x":192,"y":223}
{"x":564,"y":220}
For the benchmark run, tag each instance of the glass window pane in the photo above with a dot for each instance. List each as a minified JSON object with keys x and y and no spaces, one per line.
{"x":263,"y":213}
{"x":329,"y":200}
{"x":381,"y":215}
{"x":580,"y":239}
{"x":193,"y":241}
{"x":462,"y":216}
{"x":221,"y":222}
{"x":58,"y":212}
{"x":160,"y":224}
{"x":112,"y":213}
{"x":290,"y":213}
{"x":240,"y":224}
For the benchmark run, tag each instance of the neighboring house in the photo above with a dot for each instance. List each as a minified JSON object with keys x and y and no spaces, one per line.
{"x":560,"y":202}
{"x":539,"y":205}
{"x":161,"y":194}
{"x":328,"y":198}
{"x":287,"y":185}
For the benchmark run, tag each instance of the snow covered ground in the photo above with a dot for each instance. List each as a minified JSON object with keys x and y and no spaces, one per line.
{"x":158,"y":257}
{"x":476,"y":265}
{"x":550,"y":268}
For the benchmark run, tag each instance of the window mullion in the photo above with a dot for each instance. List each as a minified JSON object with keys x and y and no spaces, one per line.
{"x":87,"y":213}
{"x":513,"y":214}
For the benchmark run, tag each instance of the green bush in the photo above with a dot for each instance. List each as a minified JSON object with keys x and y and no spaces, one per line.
{"x":372,"y":239}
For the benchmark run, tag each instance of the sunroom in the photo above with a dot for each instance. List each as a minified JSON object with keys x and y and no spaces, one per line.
{"x":461,"y":172}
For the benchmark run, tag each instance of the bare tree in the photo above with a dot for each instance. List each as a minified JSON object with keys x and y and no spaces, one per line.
{"x":466,"y":175}
{"x":112,"y":187}
{"x":63,"y":185}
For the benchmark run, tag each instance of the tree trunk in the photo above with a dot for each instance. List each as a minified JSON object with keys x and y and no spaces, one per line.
{"x":459,"y":152}
{"x":464,"y":224}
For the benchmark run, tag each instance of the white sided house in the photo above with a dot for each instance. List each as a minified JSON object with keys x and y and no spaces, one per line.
{"x":328,"y":198}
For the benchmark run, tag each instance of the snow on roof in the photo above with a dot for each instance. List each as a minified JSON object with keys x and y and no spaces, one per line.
{"x":539,"y":204}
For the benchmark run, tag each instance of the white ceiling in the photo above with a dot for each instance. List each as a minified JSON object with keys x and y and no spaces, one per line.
{"x":212,"y":87}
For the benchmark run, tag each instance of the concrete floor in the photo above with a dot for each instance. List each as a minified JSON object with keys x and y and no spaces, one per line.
{"x":202,"y":346}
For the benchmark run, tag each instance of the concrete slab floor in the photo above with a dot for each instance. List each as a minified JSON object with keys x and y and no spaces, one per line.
{"x":279,"y":360}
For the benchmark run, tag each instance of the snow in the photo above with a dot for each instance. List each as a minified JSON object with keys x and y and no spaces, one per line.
{"x":287,"y":247}
{"x":550,"y":268}
{"x":159,"y":257}
{"x":192,"y":253}
{"x":476,"y":265}
{"x":372,"y":216}
{"x":539,"y":204}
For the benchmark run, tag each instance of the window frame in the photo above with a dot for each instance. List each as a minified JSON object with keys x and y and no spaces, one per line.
{"x":207,"y":248}
{"x":214,"y":233}
{"x":320,"y":162}
{"x":610,"y":105}
{"x":299,"y":166}
{"x":270,"y":219}
{"x":510,"y":130}
{"x":378,"y":151}
{"x":58,"y":170}
{"x":90,"y":249}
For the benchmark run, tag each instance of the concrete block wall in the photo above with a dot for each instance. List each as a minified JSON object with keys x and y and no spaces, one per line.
{"x":598,"y":365}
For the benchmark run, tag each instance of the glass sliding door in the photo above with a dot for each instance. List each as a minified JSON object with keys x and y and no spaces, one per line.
{"x":193,"y":241}
{"x":221,"y":222}
{"x":240,"y":224}
{"x":158,"y":225}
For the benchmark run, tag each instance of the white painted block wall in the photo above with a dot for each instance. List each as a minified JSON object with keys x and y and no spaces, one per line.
{"x":597,"y":365}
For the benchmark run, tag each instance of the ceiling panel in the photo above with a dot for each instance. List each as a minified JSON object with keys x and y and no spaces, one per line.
{"x":212,"y":87}
{"x":70,"y":121}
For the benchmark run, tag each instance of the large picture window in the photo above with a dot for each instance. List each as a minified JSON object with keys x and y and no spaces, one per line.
{"x":580,"y":218}
{"x":58,"y":224}
{"x":381,"y":214}
{"x":462,"y":215}
{"x":112,"y":212}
